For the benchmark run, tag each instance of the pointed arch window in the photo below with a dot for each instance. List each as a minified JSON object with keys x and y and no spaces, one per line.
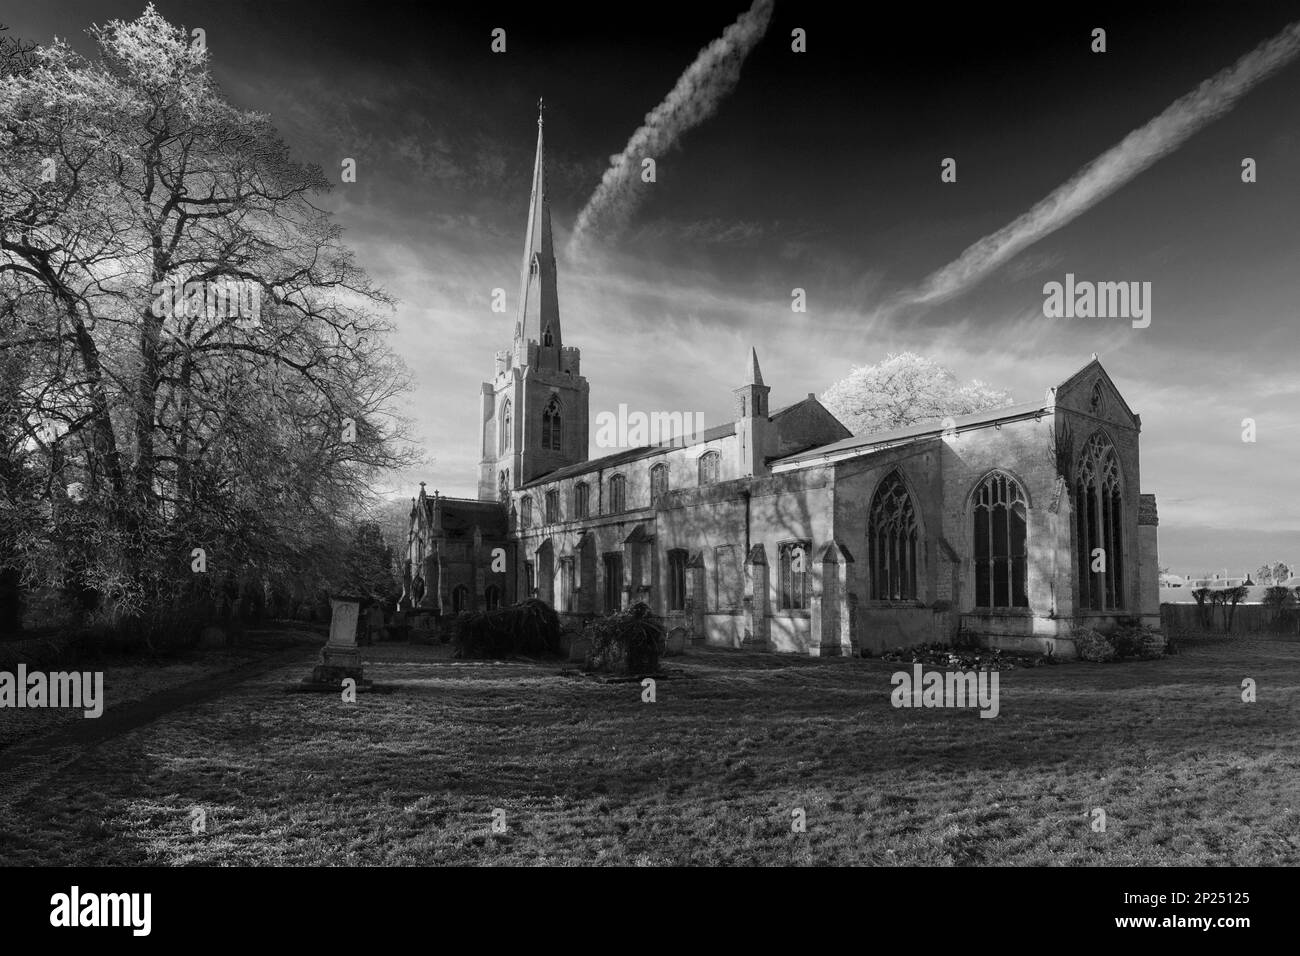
{"x":709,"y":468}
{"x":459,"y":599}
{"x":506,"y":420}
{"x":1000,"y":527}
{"x":892,"y":541}
{"x":1099,"y":524}
{"x":582,"y":500}
{"x":617,"y":494}
{"x":525,"y":511}
{"x":491,"y":597}
{"x":552,"y":433}
{"x":658,"y":481}
{"x":547,"y":338}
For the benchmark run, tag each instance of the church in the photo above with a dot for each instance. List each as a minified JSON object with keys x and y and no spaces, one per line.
{"x":782,"y":531}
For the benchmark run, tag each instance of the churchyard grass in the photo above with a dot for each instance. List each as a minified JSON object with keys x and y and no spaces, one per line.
{"x":710,"y":773}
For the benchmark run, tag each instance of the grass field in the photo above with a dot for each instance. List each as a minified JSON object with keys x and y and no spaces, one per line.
{"x":710,"y":773}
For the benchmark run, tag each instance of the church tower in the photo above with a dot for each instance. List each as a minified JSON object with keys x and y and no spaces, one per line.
{"x":534,"y":411}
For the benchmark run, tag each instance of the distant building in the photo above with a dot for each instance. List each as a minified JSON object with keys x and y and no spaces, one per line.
{"x":780,"y":530}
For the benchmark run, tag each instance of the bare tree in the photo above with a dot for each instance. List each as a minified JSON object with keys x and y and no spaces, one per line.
{"x":205,"y":354}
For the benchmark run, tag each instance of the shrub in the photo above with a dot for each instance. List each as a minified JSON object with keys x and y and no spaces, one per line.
{"x":1093,"y":645}
{"x":1278,"y":596}
{"x":1137,"y":641}
{"x":628,"y":642}
{"x":530,"y":627}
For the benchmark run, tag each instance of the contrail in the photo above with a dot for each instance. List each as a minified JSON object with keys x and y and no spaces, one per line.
{"x":1112,"y":169}
{"x":692,"y":100}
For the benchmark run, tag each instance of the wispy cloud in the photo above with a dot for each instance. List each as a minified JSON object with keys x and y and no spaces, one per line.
{"x":1112,"y":169}
{"x":691,"y":101}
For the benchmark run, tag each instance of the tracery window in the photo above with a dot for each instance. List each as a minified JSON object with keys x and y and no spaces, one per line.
{"x":552,"y":432}
{"x":658,"y":481}
{"x":891,"y":542}
{"x":1099,"y":523}
{"x":709,"y":467}
{"x":999,"y":543}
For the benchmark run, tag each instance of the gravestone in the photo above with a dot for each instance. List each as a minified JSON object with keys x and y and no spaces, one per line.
{"x":340,"y":658}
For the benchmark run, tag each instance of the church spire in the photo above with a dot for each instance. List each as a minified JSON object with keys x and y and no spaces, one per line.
{"x":537,"y":285}
{"x":755,"y":373}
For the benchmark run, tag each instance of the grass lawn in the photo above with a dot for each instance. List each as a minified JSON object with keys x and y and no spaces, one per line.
{"x":710,"y":773}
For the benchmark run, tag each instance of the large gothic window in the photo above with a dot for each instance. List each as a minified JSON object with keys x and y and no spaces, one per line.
{"x":709,"y":467}
{"x":891,"y":542}
{"x":1000,"y":556}
{"x":582,"y":499}
{"x":1099,"y":523}
{"x":617,"y":494}
{"x":505,"y":425}
{"x":658,"y":482}
{"x":551,"y":430}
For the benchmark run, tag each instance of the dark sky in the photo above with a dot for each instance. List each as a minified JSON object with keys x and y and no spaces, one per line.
{"x":820,"y":171}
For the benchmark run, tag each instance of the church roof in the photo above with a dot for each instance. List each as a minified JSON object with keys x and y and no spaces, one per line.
{"x":860,"y":444}
{"x":630,"y":454}
{"x":461,"y":515}
{"x":646,"y":451}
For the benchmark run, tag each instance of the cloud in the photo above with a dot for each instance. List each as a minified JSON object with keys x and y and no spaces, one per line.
{"x":691,"y":101}
{"x":1112,"y":169}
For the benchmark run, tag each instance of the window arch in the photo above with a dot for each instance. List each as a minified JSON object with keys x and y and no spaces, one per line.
{"x":658,"y":481}
{"x":525,"y":511}
{"x":506,"y":419}
{"x":617,"y":494}
{"x":551,"y":426}
{"x":547,"y":338}
{"x":491,"y":597}
{"x":709,"y":467}
{"x":1099,"y":523}
{"x":552,"y":507}
{"x":459,"y":599}
{"x":1000,"y":533}
{"x":891,"y":542}
{"x":582,"y":500}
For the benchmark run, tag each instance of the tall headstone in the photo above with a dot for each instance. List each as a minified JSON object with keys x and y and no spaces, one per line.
{"x":340,"y":658}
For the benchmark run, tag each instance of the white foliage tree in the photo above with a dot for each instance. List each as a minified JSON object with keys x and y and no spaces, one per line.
{"x":906,"y":389}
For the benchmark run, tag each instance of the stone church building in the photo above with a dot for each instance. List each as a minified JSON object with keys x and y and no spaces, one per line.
{"x":780,"y":530}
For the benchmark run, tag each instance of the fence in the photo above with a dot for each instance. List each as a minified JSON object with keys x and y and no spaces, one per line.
{"x":1254,"y":619}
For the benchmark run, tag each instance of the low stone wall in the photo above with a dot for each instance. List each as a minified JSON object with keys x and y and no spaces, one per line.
{"x":879,"y":629}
